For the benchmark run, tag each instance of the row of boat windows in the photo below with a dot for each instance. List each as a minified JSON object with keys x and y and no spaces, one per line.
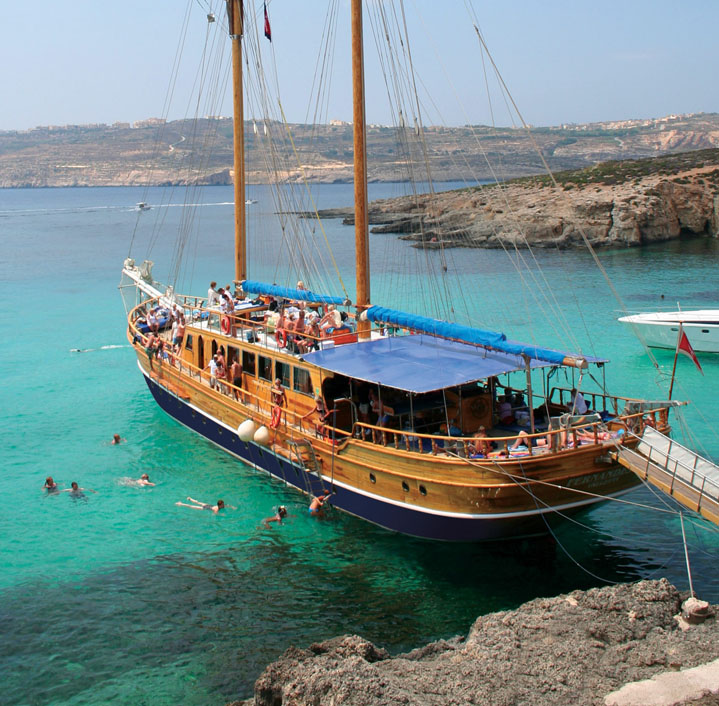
{"x":405,"y":487}
{"x":263,"y":367}
{"x":704,"y":330}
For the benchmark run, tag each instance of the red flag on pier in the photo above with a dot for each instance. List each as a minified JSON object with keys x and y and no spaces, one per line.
{"x":268,"y":29}
{"x":683,"y":346}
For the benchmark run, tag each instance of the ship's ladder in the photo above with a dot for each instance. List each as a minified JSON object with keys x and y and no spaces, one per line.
{"x":304,"y":453}
{"x":689,"y":478}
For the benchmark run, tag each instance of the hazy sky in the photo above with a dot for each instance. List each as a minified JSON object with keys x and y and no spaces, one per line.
{"x":88,"y":61}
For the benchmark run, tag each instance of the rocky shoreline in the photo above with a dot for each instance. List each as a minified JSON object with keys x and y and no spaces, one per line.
{"x":637,"y":211}
{"x":586,"y":647}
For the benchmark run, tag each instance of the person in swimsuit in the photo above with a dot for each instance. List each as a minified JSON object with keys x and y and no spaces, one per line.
{"x":199,"y":505}
{"x":318,"y":502}
{"x":117,"y":439}
{"x":281,"y":514}
{"x":144,"y":479}
{"x":76,"y":492}
{"x":51,"y":486}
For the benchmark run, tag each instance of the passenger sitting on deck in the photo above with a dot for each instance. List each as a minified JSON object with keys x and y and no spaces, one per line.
{"x":504,"y":410}
{"x":586,"y":435}
{"x":522,"y":442}
{"x":309,"y":341}
{"x":480,"y":446}
{"x":332,"y":319}
{"x":321,"y":415}
{"x":577,"y":404}
{"x":450,"y":430}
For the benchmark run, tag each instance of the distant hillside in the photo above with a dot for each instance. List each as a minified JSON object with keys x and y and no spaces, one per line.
{"x":176,"y":152}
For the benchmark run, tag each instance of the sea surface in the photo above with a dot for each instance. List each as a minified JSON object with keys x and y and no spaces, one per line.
{"x":122,"y":597}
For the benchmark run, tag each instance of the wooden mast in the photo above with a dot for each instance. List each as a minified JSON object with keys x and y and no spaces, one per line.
{"x":360,"y":171}
{"x":235,"y":16}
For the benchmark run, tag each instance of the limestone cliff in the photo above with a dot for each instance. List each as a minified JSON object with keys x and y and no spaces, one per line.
{"x":606,"y":210}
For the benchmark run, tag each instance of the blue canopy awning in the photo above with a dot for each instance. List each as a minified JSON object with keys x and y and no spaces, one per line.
{"x":417,"y":364}
{"x":482,"y":337}
{"x":304,"y":295}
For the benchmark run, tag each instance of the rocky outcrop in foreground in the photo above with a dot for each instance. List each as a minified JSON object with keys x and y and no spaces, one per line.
{"x":638,"y":211}
{"x":578,"y":648}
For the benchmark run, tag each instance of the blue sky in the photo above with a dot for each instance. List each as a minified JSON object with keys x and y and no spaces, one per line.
{"x":90,"y":61}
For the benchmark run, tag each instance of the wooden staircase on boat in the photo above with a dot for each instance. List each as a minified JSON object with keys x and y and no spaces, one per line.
{"x":690,"y":479}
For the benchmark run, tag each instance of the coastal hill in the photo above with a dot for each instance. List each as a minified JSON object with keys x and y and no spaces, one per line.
{"x":620,"y":204}
{"x":155,"y":152}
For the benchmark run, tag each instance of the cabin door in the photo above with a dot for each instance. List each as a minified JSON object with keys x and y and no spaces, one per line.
{"x":200,"y":353}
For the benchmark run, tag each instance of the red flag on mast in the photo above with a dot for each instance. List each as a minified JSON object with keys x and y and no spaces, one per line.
{"x":683,"y":346}
{"x":268,"y":29}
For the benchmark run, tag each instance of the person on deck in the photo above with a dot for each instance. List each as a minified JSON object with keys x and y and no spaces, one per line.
{"x":236,"y":377}
{"x":331,"y":320}
{"x":213,"y":296}
{"x":577,"y":404}
{"x":279,"y":400}
{"x":480,"y":446}
{"x":322,"y":415}
{"x":504,"y":410}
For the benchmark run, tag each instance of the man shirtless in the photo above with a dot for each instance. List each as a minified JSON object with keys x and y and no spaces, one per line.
{"x":235,"y":377}
{"x":318,"y":502}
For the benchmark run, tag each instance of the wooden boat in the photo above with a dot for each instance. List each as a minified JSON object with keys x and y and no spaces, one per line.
{"x":399,"y":399}
{"x":660,"y":329}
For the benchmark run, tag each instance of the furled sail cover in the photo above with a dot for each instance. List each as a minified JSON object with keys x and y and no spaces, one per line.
{"x":459,"y":332}
{"x":304,"y":295}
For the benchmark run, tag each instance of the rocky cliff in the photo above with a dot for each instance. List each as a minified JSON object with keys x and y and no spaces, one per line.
{"x":578,"y":648}
{"x":612,"y":204}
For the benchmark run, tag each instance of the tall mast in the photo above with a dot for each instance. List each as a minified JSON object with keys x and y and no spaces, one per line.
{"x":360,"y":170}
{"x":235,"y":16}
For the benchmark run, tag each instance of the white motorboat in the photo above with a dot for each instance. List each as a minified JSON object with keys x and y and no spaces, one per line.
{"x":661,"y":329}
{"x":142,"y":206}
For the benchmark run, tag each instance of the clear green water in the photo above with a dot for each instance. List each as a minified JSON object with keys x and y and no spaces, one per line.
{"x":128,"y":599}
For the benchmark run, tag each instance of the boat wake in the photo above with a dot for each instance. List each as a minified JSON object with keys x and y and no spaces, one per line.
{"x":101,"y":348}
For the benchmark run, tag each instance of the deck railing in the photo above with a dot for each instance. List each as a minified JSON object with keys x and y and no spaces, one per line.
{"x":554,"y":440}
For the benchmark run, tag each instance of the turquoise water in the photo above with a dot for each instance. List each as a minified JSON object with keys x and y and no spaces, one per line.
{"x":125,"y":598}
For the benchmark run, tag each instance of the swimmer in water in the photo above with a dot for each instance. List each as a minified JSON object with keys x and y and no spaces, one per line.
{"x":51,"y":486}
{"x":199,"y":505}
{"x":117,"y":439}
{"x":76,"y":492}
{"x":281,"y":514}
{"x":144,"y":479}
{"x":318,"y":503}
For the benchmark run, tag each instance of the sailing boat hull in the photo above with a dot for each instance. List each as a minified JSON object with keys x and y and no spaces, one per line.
{"x":386,"y":513}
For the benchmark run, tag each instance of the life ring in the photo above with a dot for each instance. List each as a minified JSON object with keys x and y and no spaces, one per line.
{"x":281,"y":338}
{"x":276,"y":416}
{"x":225,"y":324}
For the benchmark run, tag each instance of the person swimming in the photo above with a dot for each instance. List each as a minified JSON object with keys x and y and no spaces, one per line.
{"x":199,"y":505}
{"x":278,"y":517}
{"x":144,"y":479}
{"x":318,"y":503}
{"x":51,"y":486}
{"x":76,"y":493}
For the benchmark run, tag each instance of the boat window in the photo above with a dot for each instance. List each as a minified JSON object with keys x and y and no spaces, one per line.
{"x":248,"y":363}
{"x":302,"y":382}
{"x":282,"y":371}
{"x":265,"y":368}
{"x":188,"y":342}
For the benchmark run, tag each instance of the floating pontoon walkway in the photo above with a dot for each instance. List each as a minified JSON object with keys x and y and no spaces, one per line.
{"x":690,"y":479}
